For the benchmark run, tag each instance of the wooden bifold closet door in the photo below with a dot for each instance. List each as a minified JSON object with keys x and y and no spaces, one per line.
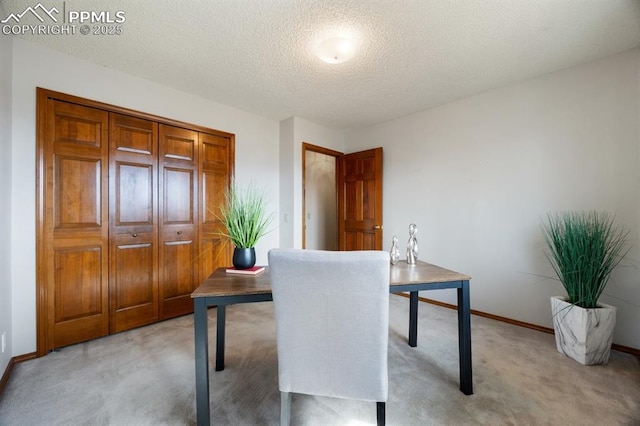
{"x":126,"y":217}
{"x":133,"y":222}
{"x":74,"y":245}
{"x":178,"y":218}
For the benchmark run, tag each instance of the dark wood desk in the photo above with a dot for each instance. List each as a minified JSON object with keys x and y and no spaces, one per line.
{"x":222,"y":289}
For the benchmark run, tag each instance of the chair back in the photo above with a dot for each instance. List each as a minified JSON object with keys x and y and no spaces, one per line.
{"x":332,"y":322}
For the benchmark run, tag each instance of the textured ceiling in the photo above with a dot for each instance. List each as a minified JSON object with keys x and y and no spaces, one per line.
{"x":257,"y":55}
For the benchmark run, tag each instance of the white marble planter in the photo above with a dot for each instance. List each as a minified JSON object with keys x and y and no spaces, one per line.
{"x":583,"y":334}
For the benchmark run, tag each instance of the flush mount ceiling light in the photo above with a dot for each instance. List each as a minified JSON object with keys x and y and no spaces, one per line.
{"x":336,"y":50}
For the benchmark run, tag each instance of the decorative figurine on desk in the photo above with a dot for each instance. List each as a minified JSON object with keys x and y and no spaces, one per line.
{"x":394,"y":253}
{"x":412,"y":245}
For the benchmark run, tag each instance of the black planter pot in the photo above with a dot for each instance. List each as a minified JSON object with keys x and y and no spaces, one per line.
{"x":244,"y":258}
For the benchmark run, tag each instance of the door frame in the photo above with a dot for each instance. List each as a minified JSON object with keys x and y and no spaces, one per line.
{"x":338,"y":170}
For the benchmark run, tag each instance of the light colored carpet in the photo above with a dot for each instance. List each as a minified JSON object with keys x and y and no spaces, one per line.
{"x":146,"y":377}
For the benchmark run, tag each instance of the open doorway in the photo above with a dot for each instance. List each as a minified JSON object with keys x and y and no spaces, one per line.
{"x":342,"y":199}
{"x":320,"y":173}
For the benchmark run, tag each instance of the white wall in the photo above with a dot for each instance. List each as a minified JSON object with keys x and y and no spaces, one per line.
{"x":6,"y":47}
{"x":287,"y":175}
{"x":293,"y":132}
{"x":477,"y":176}
{"x":34,"y":65}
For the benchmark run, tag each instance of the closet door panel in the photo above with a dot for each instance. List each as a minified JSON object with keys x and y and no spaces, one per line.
{"x":74,"y":241}
{"x":133,"y":277}
{"x":78,"y":285}
{"x":179,"y":277}
{"x":179,"y":196}
{"x":215,"y":254}
{"x":179,"y":258}
{"x":134,"y":271}
{"x":135,"y":135}
{"x":78,"y":193}
{"x":215,"y":174}
{"x":134,"y":194}
{"x":79,"y":311}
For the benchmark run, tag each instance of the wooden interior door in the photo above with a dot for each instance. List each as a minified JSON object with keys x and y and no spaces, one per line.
{"x":217,"y":153}
{"x":360,"y":201}
{"x":178,"y":210}
{"x":73,"y":260}
{"x":133,"y":234}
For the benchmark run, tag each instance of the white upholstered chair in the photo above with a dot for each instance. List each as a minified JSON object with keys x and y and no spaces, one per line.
{"x":332,"y":325}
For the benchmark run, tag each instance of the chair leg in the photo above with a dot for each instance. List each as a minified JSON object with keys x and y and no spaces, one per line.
{"x":285,"y":408}
{"x":381,"y":413}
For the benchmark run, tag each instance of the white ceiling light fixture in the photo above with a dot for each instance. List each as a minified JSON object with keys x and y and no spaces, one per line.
{"x":336,"y":50}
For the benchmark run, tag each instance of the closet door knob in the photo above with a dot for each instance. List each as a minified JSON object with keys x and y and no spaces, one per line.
{"x":179,"y":232}
{"x":134,"y":235}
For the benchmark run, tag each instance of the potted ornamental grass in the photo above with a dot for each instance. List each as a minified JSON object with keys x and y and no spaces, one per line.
{"x":246,"y":220}
{"x":584,"y":248}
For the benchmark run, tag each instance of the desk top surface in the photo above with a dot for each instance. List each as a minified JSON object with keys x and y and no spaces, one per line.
{"x":222,"y":284}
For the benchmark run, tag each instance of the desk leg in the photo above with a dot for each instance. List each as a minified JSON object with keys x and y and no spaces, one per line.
{"x":413,"y":319}
{"x":464,"y":339}
{"x":220,"y":327}
{"x":202,"y":360}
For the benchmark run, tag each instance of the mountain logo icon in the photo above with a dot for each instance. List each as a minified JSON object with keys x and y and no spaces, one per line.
{"x":38,"y":11}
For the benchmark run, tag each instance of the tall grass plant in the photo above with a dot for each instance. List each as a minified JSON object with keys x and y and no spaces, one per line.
{"x":244,"y":215}
{"x":584,"y":248}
